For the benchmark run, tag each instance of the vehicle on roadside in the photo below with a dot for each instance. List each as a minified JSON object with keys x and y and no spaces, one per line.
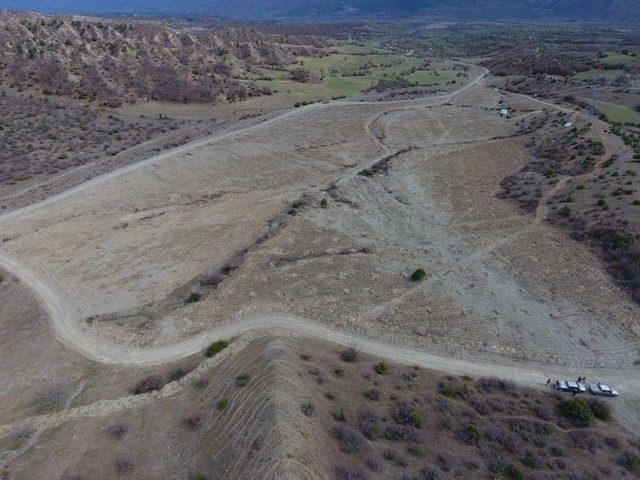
{"x":603,"y":390}
{"x":570,"y":386}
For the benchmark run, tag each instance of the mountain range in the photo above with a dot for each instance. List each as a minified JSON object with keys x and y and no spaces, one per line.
{"x":625,"y":11}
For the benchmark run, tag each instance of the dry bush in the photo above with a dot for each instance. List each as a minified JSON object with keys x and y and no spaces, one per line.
{"x":349,"y":440}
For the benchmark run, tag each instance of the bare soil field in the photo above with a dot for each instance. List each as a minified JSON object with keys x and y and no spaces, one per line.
{"x":294,"y":216}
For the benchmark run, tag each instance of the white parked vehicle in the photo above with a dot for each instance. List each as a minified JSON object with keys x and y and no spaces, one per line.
{"x":570,"y":386}
{"x":603,"y":390}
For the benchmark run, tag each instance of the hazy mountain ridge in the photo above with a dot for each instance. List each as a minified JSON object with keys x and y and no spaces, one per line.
{"x":626,"y":11}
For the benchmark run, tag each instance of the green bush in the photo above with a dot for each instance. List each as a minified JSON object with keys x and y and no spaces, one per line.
{"x":452,"y":391}
{"x":471,"y":434}
{"x":600,"y":410}
{"x":324,"y":203}
{"x":217,"y":347}
{"x":513,"y":472}
{"x":577,"y":411}
{"x":418,"y":275}
{"x":381,"y":368}
{"x":223,"y":403}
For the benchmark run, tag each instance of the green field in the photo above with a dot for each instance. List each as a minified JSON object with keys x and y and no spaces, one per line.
{"x":619,"y":58}
{"x":502,"y":81}
{"x":594,"y":74}
{"x":619,"y":113}
{"x":353,"y":70}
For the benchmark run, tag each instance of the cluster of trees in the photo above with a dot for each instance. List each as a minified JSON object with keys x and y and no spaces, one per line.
{"x":527,"y":61}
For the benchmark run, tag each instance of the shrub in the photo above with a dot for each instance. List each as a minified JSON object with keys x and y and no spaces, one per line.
{"x":405,"y":413}
{"x":349,"y":355}
{"x":470,"y":434}
{"x":394,"y":457}
{"x":452,"y":391}
{"x":118,"y":430}
{"x":149,"y":384}
{"x":324,"y":203}
{"x":307,"y":409}
{"x":223,"y":403}
{"x":630,"y":461}
{"x":202,"y":382}
{"x":381,"y":368}
{"x":242,"y":380}
{"x":512,"y":472}
{"x":577,"y":411}
{"x":419,"y":274}
{"x":600,"y":410}
{"x":350,"y":472}
{"x":374,"y":464}
{"x":200,"y":477}
{"x":372,"y":394}
{"x":368,"y":424}
{"x":428,"y":474}
{"x":338,"y":416}
{"x":193,"y":297}
{"x":179,"y":373}
{"x":349,"y":440}
{"x":217,"y":347}
{"x":195,"y":420}
{"x":124,"y":466}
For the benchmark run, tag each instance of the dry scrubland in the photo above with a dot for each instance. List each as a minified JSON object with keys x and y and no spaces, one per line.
{"x":258,"y":412}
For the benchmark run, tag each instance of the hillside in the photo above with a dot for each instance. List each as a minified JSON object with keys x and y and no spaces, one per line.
{"x":114,"y":62}
{"x":624,"y":11}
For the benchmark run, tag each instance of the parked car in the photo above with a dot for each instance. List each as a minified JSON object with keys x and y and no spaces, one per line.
{"x":603,"y":390}
{"x":570,"y":386}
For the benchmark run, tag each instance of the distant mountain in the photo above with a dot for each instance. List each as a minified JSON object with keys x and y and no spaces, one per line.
{"x":626,"y":11}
